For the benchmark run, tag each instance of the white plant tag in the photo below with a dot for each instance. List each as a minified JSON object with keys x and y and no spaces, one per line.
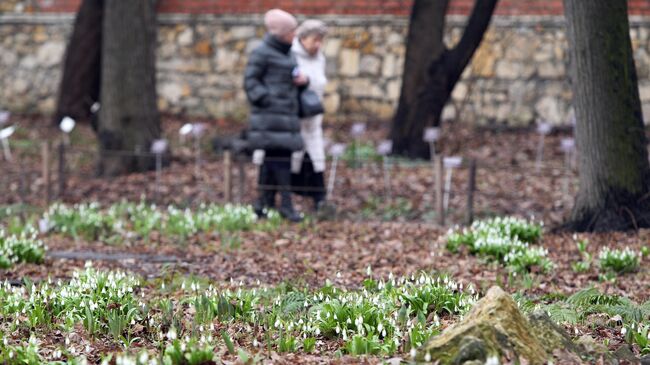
{"x":431,"y":134}
{"x":67,"y":125}
{"x":385,"y":148}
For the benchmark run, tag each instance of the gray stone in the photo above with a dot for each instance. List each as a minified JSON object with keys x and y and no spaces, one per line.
{"x":393,"y":89}
{"x":552,"y":70}
{"x":242,"y":32}
{"x":509,"y":70}
{"x":460,"y":91}
{"x":448,"y":113}
{"x":252,"y":44}
{"x":186,"y":37}
{"x":548,"y":108}
{"x":364,"y":88}
{"x":171,"y":92}
{"x":332,"y":47}
{"x":369,"y":65}
{"x":20,"y":86}
{"x":644,"y":91}
{"x":389,"y":67}
{"x":50,"y":53}
{"x":349,"y":62}
{"x":226,"y":60}
{"x":28,"y":63}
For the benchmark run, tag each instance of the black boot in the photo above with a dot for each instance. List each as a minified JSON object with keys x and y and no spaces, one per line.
{"x":286,"y":208}
{"x":266,"y":198}
{"x":283,"y":179}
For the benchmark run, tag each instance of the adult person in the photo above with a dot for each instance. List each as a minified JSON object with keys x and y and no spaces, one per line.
{"x":308,"y":165}
{"x":272,"y":83}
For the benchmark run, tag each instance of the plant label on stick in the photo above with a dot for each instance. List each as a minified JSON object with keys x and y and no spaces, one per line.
{"x":5,"y":133}
{"x":186,"y":129}
{"x":543,"y":128}
{"x":159,"y":146}
{"x":336,"y":151}
{"x":358,"y":129}
{"x":431,"y":134}
{"x":449,"y":163}
{"x":452,"y":162}
{"x":198,"y":129}
{"x":67,"y":125}
{"x":568,"y":144}
{"x":44,"y":225}
{"x":385,"y":148}
{"x":4,"y":116}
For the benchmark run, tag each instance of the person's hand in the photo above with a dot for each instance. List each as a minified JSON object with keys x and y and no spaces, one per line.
{"x":300,"y":80}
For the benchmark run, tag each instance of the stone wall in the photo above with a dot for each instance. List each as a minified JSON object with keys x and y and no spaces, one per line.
{"x":517,"y":76}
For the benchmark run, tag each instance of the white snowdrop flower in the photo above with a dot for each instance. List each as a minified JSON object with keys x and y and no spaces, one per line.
{"x":413,"y":353}
{"x":143,"y":358}
{"x":427,"y":357}
{"x":317,"y":331}
{"x":171,"y":335}
{"x":492,"y":360}
{"x":163,"y":286}
{"x":67,"y":341}
{"x":338,"y":329}
{"x":255,"y":343}
{"x":277,"y":323}
{"x":623,"y":331}
{"x":369,"y":270}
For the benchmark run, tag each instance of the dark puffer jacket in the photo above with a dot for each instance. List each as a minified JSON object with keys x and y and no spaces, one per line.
{"x":268,"y":80}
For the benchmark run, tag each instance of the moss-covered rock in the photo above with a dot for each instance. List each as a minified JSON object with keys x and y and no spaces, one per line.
{"x":496,"y":327}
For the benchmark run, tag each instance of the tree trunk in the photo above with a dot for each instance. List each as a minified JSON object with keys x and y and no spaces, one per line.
{"x":128,"y":118}
{"x":431,"y":70}
{"x":79,"y":87}
{"x":424,"y":45}
{"x":614,"y":170}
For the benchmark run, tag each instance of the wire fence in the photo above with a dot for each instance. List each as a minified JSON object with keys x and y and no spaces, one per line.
{"x":443,"y":190}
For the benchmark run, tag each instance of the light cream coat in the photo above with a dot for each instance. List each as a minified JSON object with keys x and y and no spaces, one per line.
{"x":311,"y":128}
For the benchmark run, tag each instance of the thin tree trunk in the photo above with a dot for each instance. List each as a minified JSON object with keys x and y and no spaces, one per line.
{"x":129,"y":119}
{"x":79,"y":87}
{"x":426,"y":92}
{"x":614,"y":170}
{"x":424,"y":45}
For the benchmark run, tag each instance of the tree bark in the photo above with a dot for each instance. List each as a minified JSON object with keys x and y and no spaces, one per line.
{"x":614,"y":171}
{"x":431,"y":71}
{"x":128,"y":118}
{"x":79,"y":87}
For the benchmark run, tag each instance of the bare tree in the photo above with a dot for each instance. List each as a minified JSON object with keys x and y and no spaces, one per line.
{"x":431,"y":70}
{"x":614,"y":170}
{"x":128,"y":118}
{"x":79,"y":87}
{"x":111,"y":59}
